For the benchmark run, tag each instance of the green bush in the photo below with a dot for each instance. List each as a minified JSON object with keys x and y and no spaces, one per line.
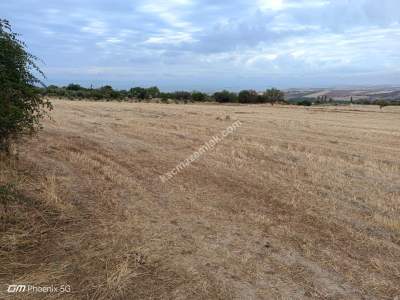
{"x":165,"y":96}
{"x":304,"y":103}
{"x":73,"y":87}
{"x":381,"y":103}
{"x":139,"y":93}
{"x":248,"y":96}
{"x":181,"y":95}
{"x":153,"y":92}
{"x":273,"y":95}
{"x":199,"y":96}
{"x":225,"y":97}
{"x":21,"y":106}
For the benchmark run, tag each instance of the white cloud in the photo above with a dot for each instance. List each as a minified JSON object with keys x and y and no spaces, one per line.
{"x":265,"y":5}
{"x":261,"y":58}
{"x":169,"y":11}
{"x":95,"y":27}
{"x":277,"y":5}
{"x":236,"y":38}
{"x":173,"y":14}
{"x":358,"y":50}
{"x":170,"y":37}
{"x":113,"y":40}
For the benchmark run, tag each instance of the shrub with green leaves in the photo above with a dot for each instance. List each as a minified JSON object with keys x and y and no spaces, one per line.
{"x":21,"y":107}
{"x":139,"y":93}
{"x":225,"y":97}
{"x":199,"y":96}
{"x":273,"y":95}
{"x":248,"y":96}
{"x":181,"y":95}
{"x":304,"y":103}
{"x":153,"y":92}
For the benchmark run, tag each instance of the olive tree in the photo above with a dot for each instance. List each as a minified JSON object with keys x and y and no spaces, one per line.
{"x":225,"y":97}
{"x":21,"y":106}
{"x":248,"y":96}
{"x":273,"y":95}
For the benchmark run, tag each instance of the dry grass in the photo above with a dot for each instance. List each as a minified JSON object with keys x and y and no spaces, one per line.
{"x":298,"y":203}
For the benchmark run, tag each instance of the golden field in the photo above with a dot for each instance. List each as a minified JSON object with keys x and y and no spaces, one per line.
{"x":297,"y":203}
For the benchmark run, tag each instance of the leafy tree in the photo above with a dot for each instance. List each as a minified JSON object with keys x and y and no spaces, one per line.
{"x":122,"y":94}
{"x":109,"y":93}
{"x":139,"y":92}
{"x":199,"y":96}
{"x":106,"y":89}
{"x":274,"y":95}
{"x":165,"y":96}
{"x":153,"y":92}
{"x":248,"y":96}
{"x":381,"y":103}
{"x":73,"y":87}
{"x":21,"y":106}
{"x":304,"y":103}
{"x":225,"y":97}
{"x":182,"y":95}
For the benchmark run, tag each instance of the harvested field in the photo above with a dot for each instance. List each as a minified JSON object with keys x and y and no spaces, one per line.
{"x":296,"y":203}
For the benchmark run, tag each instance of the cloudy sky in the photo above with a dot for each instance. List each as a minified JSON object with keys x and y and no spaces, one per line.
{"x":212,"y":44}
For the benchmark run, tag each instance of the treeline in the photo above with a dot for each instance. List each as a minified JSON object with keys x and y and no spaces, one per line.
{"x":304,"y":101}
{"x":76,"y":92}
{"x":250,"y":96}
{"x":379,"y":102}
{"x":107,"y":93}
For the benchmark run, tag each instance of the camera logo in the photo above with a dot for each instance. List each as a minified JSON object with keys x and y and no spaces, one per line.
{"x":16,"y":288}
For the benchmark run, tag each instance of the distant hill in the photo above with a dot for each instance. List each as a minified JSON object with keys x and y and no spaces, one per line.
{"x":379,"y":93}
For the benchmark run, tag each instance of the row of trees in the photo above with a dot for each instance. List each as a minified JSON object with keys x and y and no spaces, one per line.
{"x":75,"y":91}
{"x":381,"y":103}
{"x":250,"y":96}
{"x":317,"y":101}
